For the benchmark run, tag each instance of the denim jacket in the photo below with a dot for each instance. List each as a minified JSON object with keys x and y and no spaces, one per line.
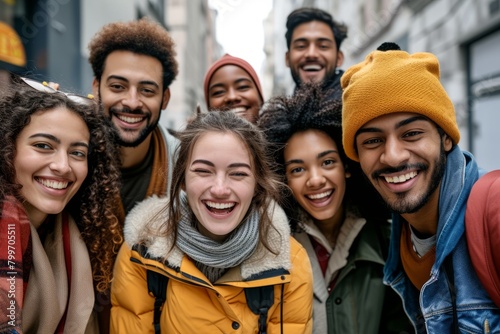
{"x":431,"y":309}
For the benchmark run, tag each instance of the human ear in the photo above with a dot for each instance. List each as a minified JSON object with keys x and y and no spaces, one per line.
{"x":340,"y":58}
{"x":447,"y":143}
{"x":166,"y":98}
{"x":95,"y":88}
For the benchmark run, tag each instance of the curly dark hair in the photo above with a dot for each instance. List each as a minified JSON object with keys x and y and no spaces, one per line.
{"x":93,"y":206}
{"x":268,"y":187}
{"x":142,"y":36}
{"x":307,"y":14}
{"x":311,"y":108}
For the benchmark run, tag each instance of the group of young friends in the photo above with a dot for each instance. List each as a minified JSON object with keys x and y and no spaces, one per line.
{"x":338,"y":209}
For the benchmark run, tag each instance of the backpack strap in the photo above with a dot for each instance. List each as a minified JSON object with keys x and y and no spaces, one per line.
{"x":259,"y":300}
{"x":450,"y":276}
{"x":157,"y":286}
{"x":383,"y":229}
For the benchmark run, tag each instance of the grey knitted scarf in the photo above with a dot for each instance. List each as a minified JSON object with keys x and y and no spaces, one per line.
{"x":213,"y":258}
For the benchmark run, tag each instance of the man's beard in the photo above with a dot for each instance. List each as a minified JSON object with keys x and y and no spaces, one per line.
{"x":329,"y":77}
{"x":407,"y":205}
{"x":142,"y":135}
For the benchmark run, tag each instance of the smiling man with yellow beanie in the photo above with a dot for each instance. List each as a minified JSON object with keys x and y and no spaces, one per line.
{"x":400,"y":124}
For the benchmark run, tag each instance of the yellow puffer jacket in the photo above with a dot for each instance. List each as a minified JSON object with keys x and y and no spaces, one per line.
{"x":194,"y":305}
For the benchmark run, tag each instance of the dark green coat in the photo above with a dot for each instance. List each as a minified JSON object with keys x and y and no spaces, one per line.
{"x":359,"y":303}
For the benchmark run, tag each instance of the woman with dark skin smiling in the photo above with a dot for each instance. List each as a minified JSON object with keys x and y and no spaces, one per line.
{"x":343,"y":229}
{"x":232,"y":84}
{"x":58,"y":184}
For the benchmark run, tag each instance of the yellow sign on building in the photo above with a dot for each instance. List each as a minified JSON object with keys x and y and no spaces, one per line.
{"x":11,"y":47}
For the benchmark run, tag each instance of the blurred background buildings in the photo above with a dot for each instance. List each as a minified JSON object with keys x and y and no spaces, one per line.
{"x":47,"y":40}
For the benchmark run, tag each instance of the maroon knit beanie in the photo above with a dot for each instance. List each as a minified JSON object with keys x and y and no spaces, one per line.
{"x":230,"y":60}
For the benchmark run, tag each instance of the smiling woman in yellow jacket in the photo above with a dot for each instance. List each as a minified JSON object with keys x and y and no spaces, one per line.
{"x":222,"y":245}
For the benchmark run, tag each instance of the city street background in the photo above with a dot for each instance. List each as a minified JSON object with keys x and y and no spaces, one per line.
{"x":47,"y":40}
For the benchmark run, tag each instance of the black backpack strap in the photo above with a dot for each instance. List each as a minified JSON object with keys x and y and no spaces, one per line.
{"x":259,"y":300}
{"x":383,"y":229}
{"x":448,"y":266}
{"x":157,"y":285}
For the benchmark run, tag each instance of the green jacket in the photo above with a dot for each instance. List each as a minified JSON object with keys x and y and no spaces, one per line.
{"x":359,"y":302}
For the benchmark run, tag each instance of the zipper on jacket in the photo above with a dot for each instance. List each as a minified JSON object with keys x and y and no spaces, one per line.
{"x":165,"y":273}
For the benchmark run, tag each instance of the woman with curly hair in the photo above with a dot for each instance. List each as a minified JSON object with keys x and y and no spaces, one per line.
{"x":335,"y":215}
{"x":58,"y":184}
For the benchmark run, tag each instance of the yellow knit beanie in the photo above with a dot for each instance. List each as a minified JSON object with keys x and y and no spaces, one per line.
{"x":394,"y":81}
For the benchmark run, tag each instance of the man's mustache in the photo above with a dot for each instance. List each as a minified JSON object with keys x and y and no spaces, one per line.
{"x":390,"y":170}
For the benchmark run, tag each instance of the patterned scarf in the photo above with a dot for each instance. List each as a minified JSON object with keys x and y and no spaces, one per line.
{"x":213,"y":259}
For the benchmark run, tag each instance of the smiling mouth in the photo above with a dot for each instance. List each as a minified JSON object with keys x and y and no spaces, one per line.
{"x":220,"y":207}
{"x":312,"y":68}
{"x":130,"y":119}
{"x":238,"y":110}
{"x":53,"y":184}
{"x":400,"y":178}
{"x":320,"y":195}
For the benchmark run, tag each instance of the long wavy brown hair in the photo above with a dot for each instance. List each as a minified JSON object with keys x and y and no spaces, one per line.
{"x":268,"y":187}
{"x":93,"y":206}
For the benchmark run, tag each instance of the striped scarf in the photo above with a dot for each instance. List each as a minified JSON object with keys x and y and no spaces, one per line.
{"x":213,"y":259}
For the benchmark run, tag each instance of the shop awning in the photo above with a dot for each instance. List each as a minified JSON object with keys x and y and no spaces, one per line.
{"x":11,"y":46}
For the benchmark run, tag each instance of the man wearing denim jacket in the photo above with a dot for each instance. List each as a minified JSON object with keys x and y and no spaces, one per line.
{"x":400,"y":124}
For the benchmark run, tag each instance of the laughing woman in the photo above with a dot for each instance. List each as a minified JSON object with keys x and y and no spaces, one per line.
{"x":58,"y":179}
{"x":221,"y":246}
{"x":344,"y":231}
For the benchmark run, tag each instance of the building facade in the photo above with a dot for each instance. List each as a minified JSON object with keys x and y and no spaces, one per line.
{"x":463,"y":34}
{"x":47,"y":40}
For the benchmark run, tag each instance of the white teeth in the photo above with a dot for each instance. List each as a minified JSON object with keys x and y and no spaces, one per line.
{"x":321,"y":195}
{"x":313,"y":67}
{"x":220,"y":206}
{"x":53,"y":184}
{"x":400,"y":178}
{"x":130,"y":119}
{"x":239,"y":109}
